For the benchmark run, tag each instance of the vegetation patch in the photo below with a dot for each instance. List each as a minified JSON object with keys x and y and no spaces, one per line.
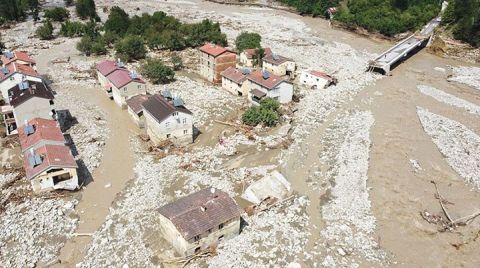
{"x":268,"y":113}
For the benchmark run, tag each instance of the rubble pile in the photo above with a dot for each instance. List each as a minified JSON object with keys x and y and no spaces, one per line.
{"x":34,"y":231}
{"x":459,"y":145}
{"x":449,"y":99}
{"x":348,"y":216}
{"x":466,"y":75}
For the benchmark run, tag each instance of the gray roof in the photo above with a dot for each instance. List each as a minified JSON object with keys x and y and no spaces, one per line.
{"x":160,"y":108}
{"x":199,"y":212}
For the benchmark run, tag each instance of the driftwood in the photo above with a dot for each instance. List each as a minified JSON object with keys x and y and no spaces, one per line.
{"x":184,"y":261}
{"x":82,"y":234}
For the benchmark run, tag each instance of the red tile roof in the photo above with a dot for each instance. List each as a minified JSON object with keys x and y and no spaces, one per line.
{"x":214,"y":50}
{"x":321,"y":74}
{"x":276,"y":59}
{"x":250,"y":52}
{"x":199,"y":212}
{"x":270,"y":83}
{"x":107,"y":67}
{"x":121,"y":77}
{"x":160,"y":108}
{"x":17,"y":68}
{"x":53,"y":156}
{"x":234,"y":74}
{"x":135,"y":102}
{"x":44,"y":129}
{"x":17,"y":55}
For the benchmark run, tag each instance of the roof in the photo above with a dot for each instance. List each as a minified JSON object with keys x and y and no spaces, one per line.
{"x":213,"y":49}
{"x":135,"y":102}
{"x":199,"y":212}
{"x":34,"y":89}
{"x":234,"y":74}
{"x":122,"y":77}
{"x":17,"y":68}
{"x":52,"y":156}
{"x":276,"y":59}
{"x":270,"y":83}
{"x":321,"y":74}
{"x":161,"y":108}
{"x":107,"y":67}
{"x":43,"y":129}
{"x":250,"y":52}
{"x":259,"y":94}
{"x":17,"y":55}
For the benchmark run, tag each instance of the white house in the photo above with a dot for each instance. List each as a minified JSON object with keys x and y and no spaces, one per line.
{"x":233,"y":80}
{"x":279,"y":65}
{"x":105,"y":68}
{"x":200,"y":220}
{"x":166,"y":118}
{"x":316,"y":79}
{"x":262,"y":84}
{"x":248,"y":55}
{"x":135,"y":109}
{"x":13,"y":74}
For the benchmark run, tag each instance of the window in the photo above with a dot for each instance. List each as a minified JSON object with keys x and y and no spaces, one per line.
{"x":51,"y":102}
{"x":197,"y":250}
{"x":168,"y":136}
{"x":185,"y":131}
{"x":220,"y":238}
{"x":125,"y":89}
{"x":167,"y":124}
{"x":139,"y":86}
{"x":184,"y":120}
{"x":220,"y":226}
{"x":196,"y":238}
{"x":175,"y":113}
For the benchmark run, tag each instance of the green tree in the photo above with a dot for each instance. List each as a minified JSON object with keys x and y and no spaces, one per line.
{"x":117,"y":22}
{"x":248,"y":40}
{"x":72,"y":29}
{"x":267,"y":113}
{"x":45,"y":32}
{"x":257,"y":58}
{"x":57,"y":14}
{"x":89,"y":45}
{"x":157,"y":72}
{"x":2,"y":45}
{"x":177,"y":62}
{"x":131,"y":48}
{"x":86,"y":9}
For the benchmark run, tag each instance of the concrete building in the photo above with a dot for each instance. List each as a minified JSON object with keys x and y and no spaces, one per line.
{"x":233,"y":80}
{"x":31,"y":100}
{"x":13,"y":74}
{"x":279,"y":65}
{"x":262,"y":84}
{"x":316,"y":79}
{"x":50,"y":167}
{"x":215,"y":59}
{"x":195,"y":222}
{"x":166,"y":118}
{"x":39,"y":132}
{"x":105,"y":68}
{"x":248,"y":55}
{"x":18,"y":57}
{"x":124,"y":85}
{"x":135,"y":109}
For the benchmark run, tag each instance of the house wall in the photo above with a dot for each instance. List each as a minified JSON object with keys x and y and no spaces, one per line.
{"x":32,"y":108}
{"x":120,"y":96}
{"x":102,"y":80}
{"x":234,"y":88}
{"x":180,"y":133}
{"x":212,"y":67}
{"x":138,"y":120}
{"x":44,"y":181}
{"x":186,"y":248}
{"x":14,"y":80}
{"x":283,"y":93}
{"x":245,"y":61}
{"x":280,"y":69}
{"x":311,"y":80}
{"x":206,"y":66}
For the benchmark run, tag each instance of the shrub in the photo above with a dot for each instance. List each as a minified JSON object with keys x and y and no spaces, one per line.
{"x":2,"y":45}
{"x":117,"y":21}
{"x":86,"y":9}
{"x":89,"y":45}
{"x":177,"y":62}
{"x":267,"y":113}
{"x":131,"y":48}
{"x":247,"y":40}
{"x":45,"y":32}
{"x":157,"y":72}
{"x":72,"y":29}
{"x":57,"y":14}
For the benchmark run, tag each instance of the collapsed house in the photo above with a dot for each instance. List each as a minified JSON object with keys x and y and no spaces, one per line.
{"x":316,"y":79}
{"x":167,"y":118}
{"x":262,"y":85}
{"x":279,"y":65}
{"x":200,"y":220}
{"x":274,"y":185}
{"x":247,"y":56}
{"x":215,"y":59}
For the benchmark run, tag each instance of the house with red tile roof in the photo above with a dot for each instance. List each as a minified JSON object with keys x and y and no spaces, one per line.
{"x":279,"y":65}
{"x":233,"y":80}
{"x":316,"y":79}
{"x":19,"y":57}
{"x":263,"y":84}
{"x":197,"y":221}
{"x":50,"y":167}
{"x":39,"y":132}
{"x":167,"y":118}
{"x":215,"y":59}
{"x":247,"y":56}
{"x":14,"y":73}
{"x":105,"y":68}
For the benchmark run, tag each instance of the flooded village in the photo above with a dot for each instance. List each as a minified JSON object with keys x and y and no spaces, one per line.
{"x":292,"y":154}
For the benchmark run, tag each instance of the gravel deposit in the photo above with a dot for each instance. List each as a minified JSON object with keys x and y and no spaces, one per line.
{"x":449,"y":99}
{"x":459,"y":145}
{"x":466,"y":75}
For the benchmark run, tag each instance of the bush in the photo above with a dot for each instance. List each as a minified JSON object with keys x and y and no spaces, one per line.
{"x":89,"y":45}
{"x":131,"y":48}
{"x":267,"y":113}
{"x":45,"y":32}
{"x":86,"y":9}
{"x":57,"y":14}
{"x":117,"y":21}
{"x":177,"y":62}
{"x":72,"y":29}
{"x":157,"y":72}
{"x":247,"y":40}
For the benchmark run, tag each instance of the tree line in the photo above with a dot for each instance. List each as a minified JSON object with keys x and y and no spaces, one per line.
{"x":463,"y":18}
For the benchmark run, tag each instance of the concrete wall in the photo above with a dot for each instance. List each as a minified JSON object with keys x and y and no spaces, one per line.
{"x":179,"y":130}
{"x":235,"y":88}
{"x":280,"y":69}
{"x":206,"y":66}
{"x":120,"y":96}
{"x":102,"y":80}
{"x":212,"y":67}
{"x":45,"y":182}
{"x":138,"y":120}
{"x":32,"y":108}
{"x":283,"y":92}
{"x":185,"y":248}
{"x":312,"y":81}
{"x":14,"y":80}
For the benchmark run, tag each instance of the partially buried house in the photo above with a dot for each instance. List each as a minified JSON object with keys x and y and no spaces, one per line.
{"x":135,"y":109}
{"x":167,"y":118}
{"x":200,"y":220}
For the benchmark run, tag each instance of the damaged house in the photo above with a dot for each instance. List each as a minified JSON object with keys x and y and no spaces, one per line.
{"x":279,"y":65}
{"x":13,"y":74}
{"x":215,"y":59}
{"x":316,"y":79}
{"x":135,"y":109}
{"x":18,"y":57}
{"x":200,"y":220}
